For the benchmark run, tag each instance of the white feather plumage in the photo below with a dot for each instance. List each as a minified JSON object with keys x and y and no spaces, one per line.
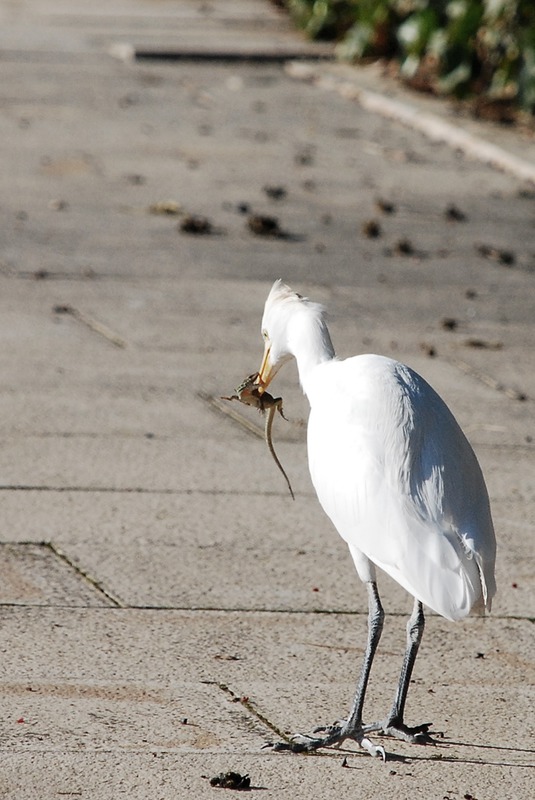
{"x":391,"y":467}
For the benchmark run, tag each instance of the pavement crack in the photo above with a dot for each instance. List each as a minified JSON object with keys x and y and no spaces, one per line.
{"x":246,"y":703}
{"x":22,"y":487}
{"x":84,"y":575}
{"x":90,"y":322}
{"x":230,"y":411}
{"x":487,"y":380}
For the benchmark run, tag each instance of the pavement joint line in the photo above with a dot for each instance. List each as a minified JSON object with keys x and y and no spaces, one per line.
{"x":94,"y":325}
{"x":487,"y":380}
{"x":62,"y":556}
{"x":430,"y":125}
{"x":254,"y":56}
{"x":248,"y":705}
{"x":42,"y":275}
{"x":302,"y":612}
{"x":144,"y":490}
{"x":228,"y":410}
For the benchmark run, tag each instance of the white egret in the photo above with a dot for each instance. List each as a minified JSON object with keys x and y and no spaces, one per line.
{"x":401,"y":484}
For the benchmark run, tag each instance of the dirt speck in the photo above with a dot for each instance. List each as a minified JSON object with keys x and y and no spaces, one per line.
{"x":504,"y":257}
{"x":371,"y":229}
{"x":454,"y":214}
{"x":263,"y":225}
{"x":196,"y":225}
{"x":483,"y":344}
{"x":404,"y":247}
{"x":428,"y":349}
{"x":385,"y":206}
{"x":275,"y":192}
{"x":168,"y":208}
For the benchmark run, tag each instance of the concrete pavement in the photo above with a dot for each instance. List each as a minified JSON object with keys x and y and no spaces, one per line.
{"x":165,"y":606}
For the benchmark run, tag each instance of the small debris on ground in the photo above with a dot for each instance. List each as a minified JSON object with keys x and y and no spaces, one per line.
{"x":371,"y":229}
{"x":262,"y":225}
{"x":231,"y":780}
{"x":196,"y":225}
{"x":482,"y":344}
{"x":166,"y":207}
{"x":305,"y":156}
{"x":454,"y":214}
{"x":428,"y":349}
{"x":505,"y":257}
{"x":404,"y":247}
{"x":135,"y":179}
{"x":449,"y":324}
{"x":58,"y":205}
{"x":275,"y":192}
{"x":385,"y":206}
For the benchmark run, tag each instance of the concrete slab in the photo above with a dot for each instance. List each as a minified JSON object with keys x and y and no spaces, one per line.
{"x":108,"y":717}
{"x":157,"y":668}
{"x":204,"y":549}
{"x":239,"y":651}
{"x":37,"y":575}
{"x":189,"y":27}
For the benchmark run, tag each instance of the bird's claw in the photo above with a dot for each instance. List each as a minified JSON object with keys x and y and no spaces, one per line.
{"x":377,"y":751}
{"x":335,"y":736}
{"x":419,"y":734}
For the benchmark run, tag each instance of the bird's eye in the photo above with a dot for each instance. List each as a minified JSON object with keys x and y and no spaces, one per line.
{"x":265,"y":334}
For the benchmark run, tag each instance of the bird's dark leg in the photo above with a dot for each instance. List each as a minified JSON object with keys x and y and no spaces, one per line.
{"x":393,"y":725}
{"x":351,"y":728}
{"x":376,"y":617}
{"x":415,"y":630}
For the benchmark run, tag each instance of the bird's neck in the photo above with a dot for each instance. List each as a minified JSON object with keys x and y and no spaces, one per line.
{"x":311,"y":345}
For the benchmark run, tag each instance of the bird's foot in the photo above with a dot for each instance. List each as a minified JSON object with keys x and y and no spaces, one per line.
{"x":419,"y":734}
{"x":334,"y":736}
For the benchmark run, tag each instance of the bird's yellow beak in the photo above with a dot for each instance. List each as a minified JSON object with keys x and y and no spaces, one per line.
{"x":265,"y":373}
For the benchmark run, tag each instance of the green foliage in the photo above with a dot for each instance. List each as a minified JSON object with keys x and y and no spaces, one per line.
{"x":467,"y":48}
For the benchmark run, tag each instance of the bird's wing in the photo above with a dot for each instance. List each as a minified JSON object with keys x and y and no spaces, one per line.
{"x":401,"y":483}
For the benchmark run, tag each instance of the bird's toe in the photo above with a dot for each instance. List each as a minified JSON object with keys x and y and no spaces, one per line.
{"x":377,"y":751}
{"x":299,"y":743}
{"x":334,"y":727}
{"x":419,"y":734}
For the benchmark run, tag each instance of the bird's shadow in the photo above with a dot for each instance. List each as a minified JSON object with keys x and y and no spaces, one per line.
{"x":421,"y":753}
{"x":443,"y":744}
